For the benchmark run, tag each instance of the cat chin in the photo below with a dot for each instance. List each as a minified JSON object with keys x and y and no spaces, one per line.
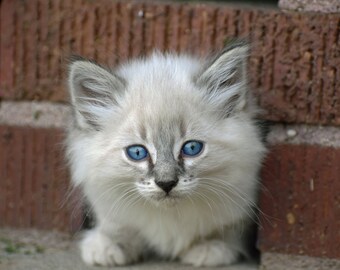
{"x":165,"y":200}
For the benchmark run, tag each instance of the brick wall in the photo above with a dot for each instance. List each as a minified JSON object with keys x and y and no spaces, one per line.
{"x":293,"y":66}
{"x":34,"y":186}
{"x":294,"y":69}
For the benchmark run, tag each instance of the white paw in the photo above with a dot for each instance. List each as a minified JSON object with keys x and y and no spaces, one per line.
{"x":98,"y":249}
{"x":210,"y":253}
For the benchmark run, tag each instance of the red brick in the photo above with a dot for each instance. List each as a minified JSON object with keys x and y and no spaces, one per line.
{"x":137,"y":23}
{"x":172,"y":29}
{"x":76,"y":27}
{"x":7,"y":49}
{"x":43,"y":52}
{"x":125,"y":30}
{"x":293,"y":65}
{"x":160,"y":27}
{"x":184,"y":30}
{"x":88,"y":30}
{"x":301,"y":201}
{"x":100,"y":34}
{"x":112,"y":35}
{"x":34,"y":184}
{"x":27,"y":178}
{"x":196,"y":34}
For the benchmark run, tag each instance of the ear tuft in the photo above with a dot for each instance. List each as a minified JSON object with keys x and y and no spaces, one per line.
{"x":94,"y":92}
{"x":224,"y":80}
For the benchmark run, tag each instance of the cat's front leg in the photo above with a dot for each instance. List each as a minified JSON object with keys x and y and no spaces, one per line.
{"x":100,"y":248}
{"x":210,"y":253}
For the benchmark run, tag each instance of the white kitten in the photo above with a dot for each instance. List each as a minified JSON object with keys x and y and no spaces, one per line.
{"x":167,"y":153}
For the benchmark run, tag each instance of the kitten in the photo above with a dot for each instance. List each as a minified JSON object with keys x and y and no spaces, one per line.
{"x":167,"y":153}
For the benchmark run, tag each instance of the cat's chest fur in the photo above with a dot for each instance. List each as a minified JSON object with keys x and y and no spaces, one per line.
{"x":168,"y":232}
{"x":173,"y":230}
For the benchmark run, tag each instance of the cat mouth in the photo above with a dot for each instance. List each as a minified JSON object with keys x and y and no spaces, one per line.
{"x":171,"y":196}
{"x":166,"y":198}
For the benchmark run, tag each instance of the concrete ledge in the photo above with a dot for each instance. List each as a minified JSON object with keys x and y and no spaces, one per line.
{"x":52,"y":251}
{"x":304,"y":134}
{"x":276,"y":261}
{"x":325,"y":6}
{"x":34,"y":114}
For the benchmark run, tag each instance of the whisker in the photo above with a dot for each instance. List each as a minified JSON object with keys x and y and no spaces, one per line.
{"x":221,"y":183}
{"x":118,"y":202}
{"x":229,"y":198}
{"x":110,"y":189}
{"x":207,"y":200}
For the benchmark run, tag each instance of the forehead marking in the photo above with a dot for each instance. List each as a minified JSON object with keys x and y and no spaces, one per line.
{"x":142,"y":131}
{"x":163,"y":137}
{"x":182,"y":128}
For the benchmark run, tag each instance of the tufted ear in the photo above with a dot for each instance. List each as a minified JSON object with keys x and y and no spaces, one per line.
{"x":224,"y":80}
{"x":94,"y":93}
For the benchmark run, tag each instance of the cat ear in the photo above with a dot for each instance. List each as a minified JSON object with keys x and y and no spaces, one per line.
{"x":94,"y":93}
{"x":224,"y":79}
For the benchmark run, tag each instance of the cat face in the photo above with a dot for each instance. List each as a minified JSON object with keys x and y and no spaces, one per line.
{"x":164,"y":152}
{"x":163,"y":129}
{"x":161,"y":148}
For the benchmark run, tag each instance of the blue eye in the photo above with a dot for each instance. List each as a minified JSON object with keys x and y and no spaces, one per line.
{"x":136,"y":152}
{"x":192,"y":148}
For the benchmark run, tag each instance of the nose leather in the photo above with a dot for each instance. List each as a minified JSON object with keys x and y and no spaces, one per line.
{"x":167,"y":186}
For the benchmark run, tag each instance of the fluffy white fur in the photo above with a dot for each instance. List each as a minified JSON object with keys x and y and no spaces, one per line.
{"x":152,"y":102}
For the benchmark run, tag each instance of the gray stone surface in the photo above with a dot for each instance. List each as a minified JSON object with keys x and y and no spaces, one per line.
{"x":304,"y":134}
{"x":36,"y":114}
{"x":325,"y":6}
{"x":36,"y":250}
{"x":276,"y":261}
